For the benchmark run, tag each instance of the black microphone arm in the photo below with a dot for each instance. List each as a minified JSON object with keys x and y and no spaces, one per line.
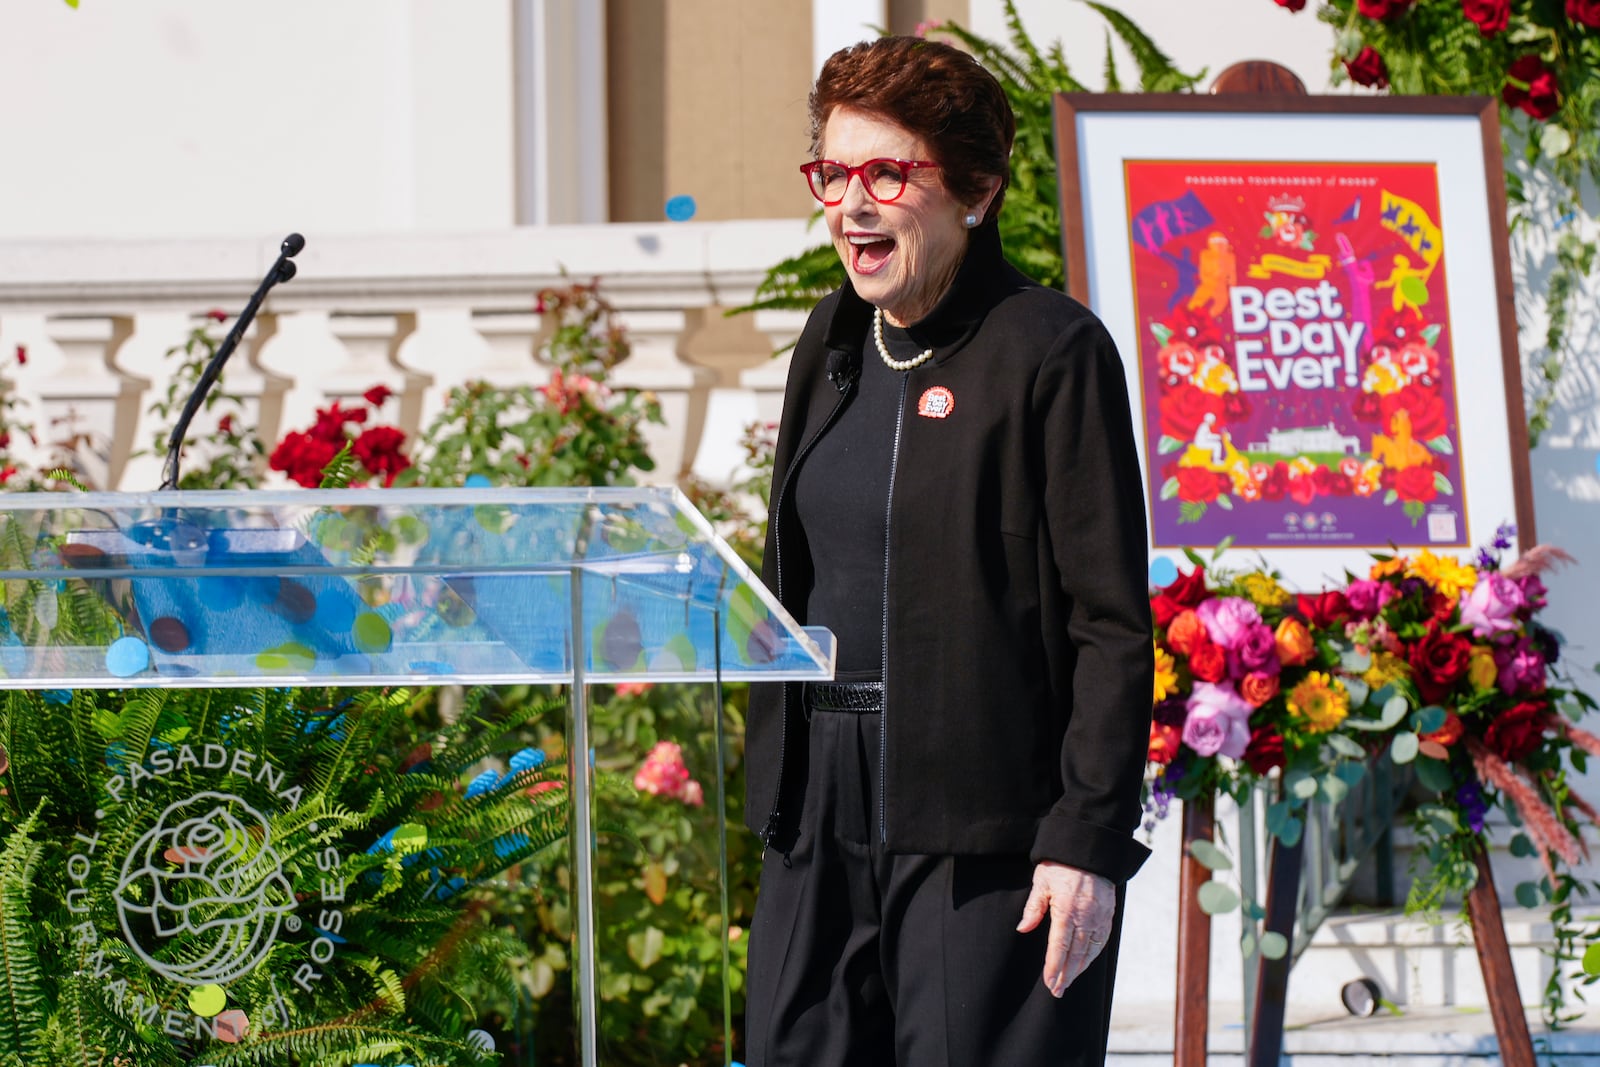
{"x":281,"y":271}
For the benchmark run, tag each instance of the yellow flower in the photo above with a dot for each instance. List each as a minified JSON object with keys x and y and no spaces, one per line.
{"x":1166,"y":675}
{"x":1386,"y":667}
{"x":1320,"y":701}
{"x":1264,"y":590}
{"x":1481,"y":669}
{"x":1446,"y":574}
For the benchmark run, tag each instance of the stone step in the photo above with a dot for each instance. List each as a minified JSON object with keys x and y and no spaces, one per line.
{"x":1316,"y":1037}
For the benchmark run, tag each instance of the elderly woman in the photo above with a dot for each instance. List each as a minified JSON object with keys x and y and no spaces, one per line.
{"x":957,"y":497}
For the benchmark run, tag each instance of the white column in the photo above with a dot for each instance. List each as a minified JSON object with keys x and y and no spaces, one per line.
{"x":836,"y":23}
{"x":560,"y":59}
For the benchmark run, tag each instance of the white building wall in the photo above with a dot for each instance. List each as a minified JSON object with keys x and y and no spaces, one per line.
{"x":175,"y":118}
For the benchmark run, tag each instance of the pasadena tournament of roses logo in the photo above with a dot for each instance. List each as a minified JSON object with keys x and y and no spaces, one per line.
{"x":201,"y":895}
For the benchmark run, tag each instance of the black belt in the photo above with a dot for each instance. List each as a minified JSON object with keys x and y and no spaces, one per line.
{"x":858,"y":697}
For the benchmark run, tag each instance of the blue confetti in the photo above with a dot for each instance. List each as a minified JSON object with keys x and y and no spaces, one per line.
{"x":527,"y":760}
{"x":384,"y":843}
{"x":477,"y":481}
{"x":335,"y":938}
{"x":680,"y":208}
{"x":1163,"y":571}
{"x":507,"y":844}
{"x":127,"y":656}
{"x":57,"y":696}
{"x":482,"y":783}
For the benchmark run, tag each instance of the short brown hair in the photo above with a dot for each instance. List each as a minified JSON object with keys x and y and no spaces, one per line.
{"x":937,"y":92}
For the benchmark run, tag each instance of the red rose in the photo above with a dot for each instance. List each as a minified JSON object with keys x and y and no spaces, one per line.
{"x":1415,"y":483}
{"x":1323,"y":609}
{"x":377,"y":395}
{"x":1514,"y":734}
{"x":302,"y":457}
{"x":1382,"y":9}
{"x":1491,"y":16}
{"x":1163,"y":610}
{"x":1189,"y":589}
{"x":1209,"y":663}
{"x":1531,"y":85}
{"x":1438,"y":661}
{"x":1368,"y":69}
{"x":1197,"y":484}
{"x":217,"y":315}
{"x":1265,"y":751}
{"x":22,"y":355}
{"x":1584,"y":12}
{"x":1184,"y":408}
{"x":378,"y":449}
{"x":1292,"y":5}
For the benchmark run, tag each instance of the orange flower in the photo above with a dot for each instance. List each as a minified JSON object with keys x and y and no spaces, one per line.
{"x":1385,"y":567}
{"x":1258,"y":687}
{"x":1450,"y":732}
{"x":1164,"y":742}
{"x":1185,"y":632}
{"x":1294,"y":643}
{"x":1320,"y":702}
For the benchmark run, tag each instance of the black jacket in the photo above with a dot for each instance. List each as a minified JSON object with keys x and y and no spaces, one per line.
{"x":1018,"y":664}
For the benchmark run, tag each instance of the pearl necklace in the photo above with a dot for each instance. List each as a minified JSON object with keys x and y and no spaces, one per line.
{"x":883,"y":349}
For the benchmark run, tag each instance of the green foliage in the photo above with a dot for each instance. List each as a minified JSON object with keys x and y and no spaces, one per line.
{"x":228,"y":454}
{"x":1030,"y":221}
{"x":577,"y":430}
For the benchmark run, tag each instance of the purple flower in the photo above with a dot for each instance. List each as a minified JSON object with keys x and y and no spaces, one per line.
{"x":1219,"y":721}
{"x":1503,"y":535}
{"x":1257,"y":650}
{"x":1227,"y":618}
{"x":1492,"y":605}
{"x":1521,"y":667}
{"x":1533,"y":594}
{"x":1171,"y":712}
{"x":1368,"y":597}
{"x":1470,"y":796}
{"x":1487,"y":560}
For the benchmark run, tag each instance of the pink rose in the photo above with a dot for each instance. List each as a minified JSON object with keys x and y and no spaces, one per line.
{"x":1218,"y":721}
{"x":1521,"y":668}
{"x":1492,"y":605}
{"x":1228,"y":618}
{"x":1256,"y":650}
{"x":1367,"y":597}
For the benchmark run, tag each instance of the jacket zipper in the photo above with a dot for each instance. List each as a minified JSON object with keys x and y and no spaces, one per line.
{"x":771,"y":826}
{"x":883,"y":712}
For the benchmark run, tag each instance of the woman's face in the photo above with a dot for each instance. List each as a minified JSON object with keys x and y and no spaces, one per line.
{"x":903,"y":255}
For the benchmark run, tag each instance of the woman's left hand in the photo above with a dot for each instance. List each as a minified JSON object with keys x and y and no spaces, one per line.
{"x":1081,"y":906}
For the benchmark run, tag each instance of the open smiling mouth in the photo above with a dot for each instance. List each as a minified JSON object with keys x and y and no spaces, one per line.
{"x":869,"y":252}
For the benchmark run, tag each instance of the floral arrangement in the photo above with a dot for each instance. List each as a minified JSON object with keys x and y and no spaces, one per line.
{"x":1425,"y":660}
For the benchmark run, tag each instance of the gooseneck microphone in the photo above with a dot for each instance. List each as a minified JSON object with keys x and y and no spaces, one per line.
{"x":282,"y":270}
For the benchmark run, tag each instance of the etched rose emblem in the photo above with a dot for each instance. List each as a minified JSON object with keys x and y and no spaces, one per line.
{"x":201,"y":894}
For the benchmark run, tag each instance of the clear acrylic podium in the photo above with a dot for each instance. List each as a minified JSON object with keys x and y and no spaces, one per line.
{"x":375,"y":588}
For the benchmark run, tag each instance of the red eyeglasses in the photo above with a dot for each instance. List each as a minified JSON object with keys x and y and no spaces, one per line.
{"x":883,"y":179}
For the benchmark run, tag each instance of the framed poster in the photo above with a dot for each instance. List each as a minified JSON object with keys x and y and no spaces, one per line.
{"x":1313,"y":302}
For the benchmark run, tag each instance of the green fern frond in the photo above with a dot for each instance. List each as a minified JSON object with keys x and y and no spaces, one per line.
{"x":341,"y":469}
{"x":21,"y":992}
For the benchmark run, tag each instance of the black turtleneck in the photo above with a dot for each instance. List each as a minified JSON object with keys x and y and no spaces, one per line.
{"x":842,"y":498}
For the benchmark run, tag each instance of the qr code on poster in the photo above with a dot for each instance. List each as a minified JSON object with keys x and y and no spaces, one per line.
{"x":1441,"y":526}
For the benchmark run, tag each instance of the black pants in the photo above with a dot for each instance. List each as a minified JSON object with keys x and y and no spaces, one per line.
{"x":858,"y":957}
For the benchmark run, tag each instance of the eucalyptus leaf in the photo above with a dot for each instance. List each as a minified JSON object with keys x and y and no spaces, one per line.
{"x":1354,"y":723}
{"x":1289,"y":832}
{"x":1521,"y":846}
{"x":1434,"y":775}
{"x":1355,"y":662}
{"x":1428,"y":719}
{"x":1334,"y":789}
{"x":1527,"y":894}
{"x":1351,"y":773}
{"x":1394,"y":709}
{"x":1274,"y":946}
{"x":1404,"y":748}
{"x":1358,"y":690}
{"x":1346,"y":747}
{"x":1209,"y":856}
{"x":1247,"y":944}
{"x":1217,"y":898}
{"x":1305,"y":788}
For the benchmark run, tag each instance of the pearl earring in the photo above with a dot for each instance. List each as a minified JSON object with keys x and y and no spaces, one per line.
{"x":971,"y":220}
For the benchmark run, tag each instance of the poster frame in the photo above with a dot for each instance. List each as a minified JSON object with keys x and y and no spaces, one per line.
{"x":1096,"y":133}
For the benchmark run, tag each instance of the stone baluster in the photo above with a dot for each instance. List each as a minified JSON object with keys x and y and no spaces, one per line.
{"x":301,"y":355}
{"x":653,"y":363}
{"x":136,"y":353}
{"x":443,"y":349}
{"x":780,"y":328}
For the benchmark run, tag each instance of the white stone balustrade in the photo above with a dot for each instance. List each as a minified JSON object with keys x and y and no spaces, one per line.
{"x":417,"y":313}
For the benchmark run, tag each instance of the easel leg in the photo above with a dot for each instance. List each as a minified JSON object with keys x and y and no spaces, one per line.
{"x":1194,"y":941}
{"x":1494,"y":959}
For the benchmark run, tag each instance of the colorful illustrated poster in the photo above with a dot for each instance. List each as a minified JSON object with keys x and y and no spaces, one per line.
{"x":1295,"y":354}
